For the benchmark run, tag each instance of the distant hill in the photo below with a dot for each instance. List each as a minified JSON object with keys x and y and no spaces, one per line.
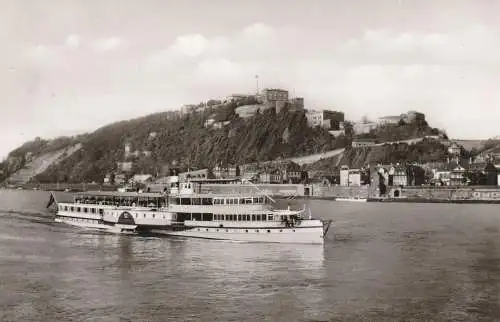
{"x":471,"y":144}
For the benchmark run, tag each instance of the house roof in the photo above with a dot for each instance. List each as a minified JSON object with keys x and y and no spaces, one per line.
{"x":364,"y":140}
{"x":477,"y":165}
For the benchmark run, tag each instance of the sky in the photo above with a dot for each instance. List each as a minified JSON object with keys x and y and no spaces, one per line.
{"x":68,"y":67}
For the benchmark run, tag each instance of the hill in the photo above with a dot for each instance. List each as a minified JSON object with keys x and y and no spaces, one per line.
{"x":185,"y":141}
{"x":189,"y":141}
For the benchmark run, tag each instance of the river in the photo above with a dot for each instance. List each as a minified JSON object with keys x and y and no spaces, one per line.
{"x":380,"y":262}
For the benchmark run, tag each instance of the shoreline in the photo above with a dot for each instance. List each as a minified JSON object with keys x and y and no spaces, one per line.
{"x":492,"y":195}
{"x":398,"y":200}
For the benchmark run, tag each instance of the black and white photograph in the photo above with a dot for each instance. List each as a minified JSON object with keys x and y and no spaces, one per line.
{"x":237,"y":160}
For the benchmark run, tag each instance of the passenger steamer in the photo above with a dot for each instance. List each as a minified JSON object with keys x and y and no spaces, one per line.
{"x":186,"y":212}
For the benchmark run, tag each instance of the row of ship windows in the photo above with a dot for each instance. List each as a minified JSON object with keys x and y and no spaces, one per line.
{"x":243,"y":217}
{"x":235,"y":230}
{"x":241,"y":201}
{"x":136,"y":215}
{"x":83,"y":220}
{"x":81,"y":209}
{"x":144,"y":216}
{"x":218,"y":201}
{"x":94,"y":210}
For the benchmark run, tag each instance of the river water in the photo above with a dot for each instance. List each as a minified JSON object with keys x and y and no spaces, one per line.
{"x":380,"y":262}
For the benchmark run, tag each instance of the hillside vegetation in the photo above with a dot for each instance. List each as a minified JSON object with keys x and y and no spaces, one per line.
{"x":421,"y":152}
{"x":30,"y":154}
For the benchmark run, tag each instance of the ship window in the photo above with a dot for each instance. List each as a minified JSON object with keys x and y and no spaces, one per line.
{"x":196,"y":201}
{"x":101,"y":211}
{"x":65,"y":208}
{"x":185,"y":201}
{"x":93,"y":210}
{"x":268,"y":230}
{"x":239,"y":217}
{"x":144,"y":215}
{"x":269,"y":217}
{"x":206,"y":201}
{"x":264,"y":217}
{"x":246,"y":230}
{"x":207,"y":229}
{"x":85,"y":209}
{"x":78,"y":209}
{"x":247,"y":217}
{"x":153,"y":215}
{"x":256,"y":230}
{"x":255,"y":200}
{"x":253,"y":217}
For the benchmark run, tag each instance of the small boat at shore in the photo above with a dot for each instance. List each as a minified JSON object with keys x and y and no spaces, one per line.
{"x":186,"y":212}
{"x":353,"y":199}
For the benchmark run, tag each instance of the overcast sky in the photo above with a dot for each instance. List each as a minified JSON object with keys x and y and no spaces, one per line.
{"x":72,"y":66}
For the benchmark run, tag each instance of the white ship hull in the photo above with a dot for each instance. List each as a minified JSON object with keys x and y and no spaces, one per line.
{"x":116,"y":229}
{"x":285,"y":235}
